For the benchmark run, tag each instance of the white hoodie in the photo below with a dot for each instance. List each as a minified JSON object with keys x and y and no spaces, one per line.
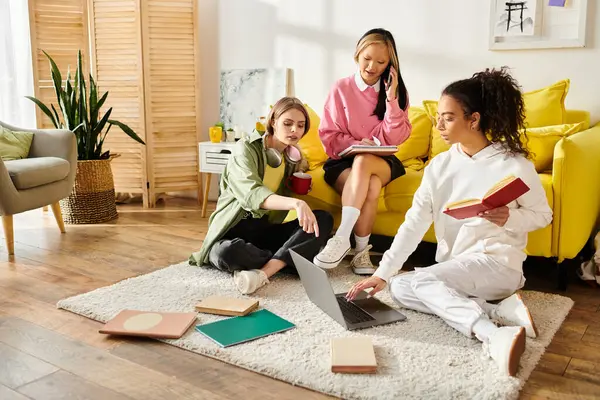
{"x":454,"y":176}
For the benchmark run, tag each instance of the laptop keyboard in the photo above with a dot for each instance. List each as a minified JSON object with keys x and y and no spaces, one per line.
{"x":352,"y":312}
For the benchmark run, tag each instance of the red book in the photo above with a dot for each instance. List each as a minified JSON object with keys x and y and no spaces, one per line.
{"x":507,"y":190}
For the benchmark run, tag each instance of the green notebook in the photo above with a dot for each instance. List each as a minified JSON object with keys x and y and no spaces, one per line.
{"x":237,"y":330}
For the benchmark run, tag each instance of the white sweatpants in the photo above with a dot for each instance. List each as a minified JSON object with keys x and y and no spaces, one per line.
{"x":456,"y":290}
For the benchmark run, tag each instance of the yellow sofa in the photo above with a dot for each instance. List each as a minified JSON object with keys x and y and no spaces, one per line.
{"x":566,"y":154}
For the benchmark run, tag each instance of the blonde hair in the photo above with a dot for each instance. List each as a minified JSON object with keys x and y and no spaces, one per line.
{"x":378,"y":38}
{"x":382,"y":36}
{"x":283,"y":105}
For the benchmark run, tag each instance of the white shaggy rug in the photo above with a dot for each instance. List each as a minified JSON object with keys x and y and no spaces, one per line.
{"x":418,"y":358}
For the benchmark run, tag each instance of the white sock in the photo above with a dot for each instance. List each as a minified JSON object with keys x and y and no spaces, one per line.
{"x":361,"y":242}
{"x":349,"y":217}
{"x":483,"y":328}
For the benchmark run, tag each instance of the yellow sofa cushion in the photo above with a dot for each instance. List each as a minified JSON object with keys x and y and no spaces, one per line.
{"x":311,"y":145}
{"x":541,"y":141}
{"x":415,"y":148}
{"x":546,"y":106}
{"x":398,"y":194}
{"x":575,"y":116}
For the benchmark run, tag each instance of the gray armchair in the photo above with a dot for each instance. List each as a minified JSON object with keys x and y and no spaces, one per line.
{"x":43,"y":178}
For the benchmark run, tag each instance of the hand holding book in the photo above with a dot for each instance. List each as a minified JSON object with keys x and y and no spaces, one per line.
{"x":493,"y":203}
{"x":498,"y":215}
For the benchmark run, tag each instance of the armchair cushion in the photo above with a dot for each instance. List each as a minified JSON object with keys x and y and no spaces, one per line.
{"x":33,"y":172}
{"x":14,"y":145}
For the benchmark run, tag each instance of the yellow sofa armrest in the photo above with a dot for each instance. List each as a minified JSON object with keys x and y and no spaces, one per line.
{"x":576,"y":184}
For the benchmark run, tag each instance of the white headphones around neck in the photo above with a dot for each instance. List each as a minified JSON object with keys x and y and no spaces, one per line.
{"x":275,"y":157}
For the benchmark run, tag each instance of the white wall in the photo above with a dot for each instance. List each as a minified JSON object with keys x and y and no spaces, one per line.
{"x":438,"y":41}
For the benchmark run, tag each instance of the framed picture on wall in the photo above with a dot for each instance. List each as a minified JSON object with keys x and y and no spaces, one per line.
{"x":537,"y":24}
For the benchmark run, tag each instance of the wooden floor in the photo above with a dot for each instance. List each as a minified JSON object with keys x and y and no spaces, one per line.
{"x":46,"y":353}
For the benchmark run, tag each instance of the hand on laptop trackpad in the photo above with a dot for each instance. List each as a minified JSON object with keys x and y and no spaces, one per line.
{"x":369,"y":304}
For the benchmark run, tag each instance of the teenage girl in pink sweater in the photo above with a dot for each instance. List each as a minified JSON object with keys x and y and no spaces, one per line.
{"x":368,"y":106}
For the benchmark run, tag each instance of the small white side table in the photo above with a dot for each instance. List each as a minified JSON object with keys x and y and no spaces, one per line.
{"x":213,"y":158}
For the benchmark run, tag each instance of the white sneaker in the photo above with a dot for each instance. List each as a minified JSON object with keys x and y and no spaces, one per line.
{"x":336,"y":249}
{"x":249,"y":281}
{"x":505,"y":346}
{"x":513,"y":312}
{"x":361,"y":263}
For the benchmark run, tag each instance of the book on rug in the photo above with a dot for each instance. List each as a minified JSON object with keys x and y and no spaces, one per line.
{"x":502,"y":193}
{"x":231,"y":306}
{"x":236,"y":330}
{"x":353,"y":355}
{"x":153,"y":324}
{"x":359,"y":148}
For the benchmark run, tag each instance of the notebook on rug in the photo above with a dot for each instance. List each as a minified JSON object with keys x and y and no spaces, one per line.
{"x":163,"y":325}
{"x":232,"y":306}
{"x":235,"y":330}
{"x":353,"y":355}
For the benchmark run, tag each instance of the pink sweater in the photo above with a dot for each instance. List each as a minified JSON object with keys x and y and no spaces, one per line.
{"x":348,"y":118}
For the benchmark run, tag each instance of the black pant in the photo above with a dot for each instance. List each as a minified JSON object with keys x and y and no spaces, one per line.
{"x":253,"y":242}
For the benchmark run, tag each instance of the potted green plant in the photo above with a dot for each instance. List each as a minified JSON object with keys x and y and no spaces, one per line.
{"x":92,"y":199}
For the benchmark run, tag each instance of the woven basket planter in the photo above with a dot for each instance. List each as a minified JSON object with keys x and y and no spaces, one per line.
{"x":92,"y":200}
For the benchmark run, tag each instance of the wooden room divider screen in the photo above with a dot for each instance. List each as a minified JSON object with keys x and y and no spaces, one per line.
{"x":59,"y":27}
{"x":145,"y":54}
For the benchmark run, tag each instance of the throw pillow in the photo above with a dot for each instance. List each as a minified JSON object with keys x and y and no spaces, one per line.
{"x":14,"y":145}
{"x":541,"y":142}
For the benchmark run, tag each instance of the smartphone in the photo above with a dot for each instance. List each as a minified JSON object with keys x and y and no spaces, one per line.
{"x":388,"y":80}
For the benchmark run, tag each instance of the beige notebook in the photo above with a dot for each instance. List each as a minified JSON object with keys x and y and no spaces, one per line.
{"x":168,"y":325}
{"x":227,"y":306}
{"x":353,"y":355}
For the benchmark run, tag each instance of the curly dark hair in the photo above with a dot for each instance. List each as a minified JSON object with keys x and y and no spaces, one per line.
{"x":497,"y":97}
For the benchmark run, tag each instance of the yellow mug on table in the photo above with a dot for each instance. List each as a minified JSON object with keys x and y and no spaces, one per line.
{"x":215,"y":133}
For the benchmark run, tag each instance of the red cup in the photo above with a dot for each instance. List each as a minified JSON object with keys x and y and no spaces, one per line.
{"x":300,"y":183}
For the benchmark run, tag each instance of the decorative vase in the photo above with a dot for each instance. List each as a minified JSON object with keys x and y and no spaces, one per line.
{"x":92,"y":199}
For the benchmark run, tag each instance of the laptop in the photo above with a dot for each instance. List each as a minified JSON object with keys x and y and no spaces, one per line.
{"x":362,"y":312}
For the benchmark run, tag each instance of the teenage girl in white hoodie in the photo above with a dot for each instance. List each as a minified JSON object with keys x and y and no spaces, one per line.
{"x":478,"y":259}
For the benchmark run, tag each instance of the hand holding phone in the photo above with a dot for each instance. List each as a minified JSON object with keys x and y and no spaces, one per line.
{"x":391,"y":84}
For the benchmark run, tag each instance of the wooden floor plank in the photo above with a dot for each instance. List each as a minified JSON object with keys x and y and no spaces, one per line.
{"x":211,"y":374}
{"x":63,"y":277}
{"x":555,"y":364}
{"x":554,"y":387}
{"x":48,"y":316}
{"x":62,"y":385}
{"x":571,"y":331}
{"x":577,"y":349}
{"x":68,"y":262}
{"x":18,"y":368}
{"x":592,"y":335}
{"x":33,"y":287}
{"x":97,"y":366}
{"x":584,"y":371}
{"x":585,"y":317}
